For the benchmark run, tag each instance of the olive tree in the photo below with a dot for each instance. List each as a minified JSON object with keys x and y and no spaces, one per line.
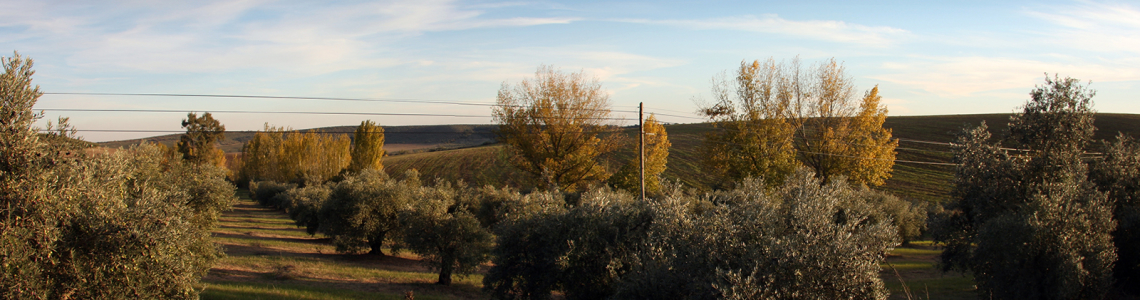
{"x":364,"y":209}
{"x":444,"y":229}
{"x":1027,"y":222}
{"x":801,"y":240}
{"x":1118,"y":174}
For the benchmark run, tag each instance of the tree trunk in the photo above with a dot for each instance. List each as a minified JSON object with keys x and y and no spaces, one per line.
{"x":446,"y":267}
{"x":375,"y":243}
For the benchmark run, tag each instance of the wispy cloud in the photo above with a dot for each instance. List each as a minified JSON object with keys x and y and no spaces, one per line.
{"x":826,"y":30}
{"x":218,"y":36}
{"x":954,"y":77}
{"x":1091,"y":26}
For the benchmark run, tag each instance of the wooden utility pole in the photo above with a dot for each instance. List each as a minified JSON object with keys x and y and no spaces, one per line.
{"x":641,"y":145}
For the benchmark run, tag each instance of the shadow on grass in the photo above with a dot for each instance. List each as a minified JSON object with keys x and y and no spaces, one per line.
{"x":281,"y":284}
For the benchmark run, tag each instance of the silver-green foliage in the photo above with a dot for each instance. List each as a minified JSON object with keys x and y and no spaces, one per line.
{"x":126,"y":225}
{"x":1118,"y":174}
{"x":267,"y":192}
{"x":444,"y":228}
{"x":1029,"y":224}
{"x":364,"y":209}
{"x":140,"y":228}
{"x":304,"y":205}
{"x":802,"y":240}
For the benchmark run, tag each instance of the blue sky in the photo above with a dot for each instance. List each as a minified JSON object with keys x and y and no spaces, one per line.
{"x":934,"y":57}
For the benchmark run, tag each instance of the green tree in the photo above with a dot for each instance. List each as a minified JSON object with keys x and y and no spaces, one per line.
{"x":1030,"y":224}
{"x":27,"y":230}
{"x":553,"y":126}
{"x":803,"y":239}
{"x":1118,"y":174}
{"x":367,"y":147}
{"x":445,"y":230}
{"x":199,"y":143}
{"x":126,"y":225}
{"x":364,"y":210}
{"x":656,"y":157}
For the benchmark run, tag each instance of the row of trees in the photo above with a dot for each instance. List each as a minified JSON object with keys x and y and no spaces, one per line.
{"x":772,"y":118}
{"x":1036,"y":214}
{"x":126,"y":225}
{"x":312,"y":157}
{"x":803,"y":237}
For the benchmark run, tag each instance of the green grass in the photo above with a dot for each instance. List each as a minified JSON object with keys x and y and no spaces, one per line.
{"x":245,"y":290}
{"x":946,"y":287}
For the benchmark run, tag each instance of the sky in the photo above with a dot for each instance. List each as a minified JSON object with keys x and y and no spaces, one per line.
{"x":926,"y":57}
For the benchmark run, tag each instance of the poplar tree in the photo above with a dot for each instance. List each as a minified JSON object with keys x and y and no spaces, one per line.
{"x":656,"y":157}
{"x":753,"y":113}
{"x":553,"y":126}
{"x":367,"y":147}
{"x":775,"y":116}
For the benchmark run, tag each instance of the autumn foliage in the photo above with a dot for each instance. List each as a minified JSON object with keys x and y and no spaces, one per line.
{"x":775,"y":116}
{"x":554,"y":128}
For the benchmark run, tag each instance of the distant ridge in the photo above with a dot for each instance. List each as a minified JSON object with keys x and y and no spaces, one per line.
{"x":922,"y":139}
{"x":397,"y":138}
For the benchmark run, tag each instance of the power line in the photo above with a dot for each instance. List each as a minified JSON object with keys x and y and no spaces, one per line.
{"x":396,"y":100}
{"x":263,"y":112}
{"x":274,"y":97}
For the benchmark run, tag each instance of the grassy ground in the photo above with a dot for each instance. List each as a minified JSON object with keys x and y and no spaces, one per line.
{"x":915,"y":265}
{"x":270,"y":258}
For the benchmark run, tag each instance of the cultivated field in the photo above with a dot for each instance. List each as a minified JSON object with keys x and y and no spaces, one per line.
{"x":270,"y":258}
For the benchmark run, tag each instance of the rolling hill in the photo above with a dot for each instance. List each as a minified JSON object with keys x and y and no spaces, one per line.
{"x":922,"y":139}
{"x":469,"y":152}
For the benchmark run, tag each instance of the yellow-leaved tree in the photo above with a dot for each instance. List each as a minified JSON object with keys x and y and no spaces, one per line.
{"x":307,"y":158}
{"x":755,"y":132}
{"x":839,"y":134}
{"x":554,"y":128}
{"x":367,"y":147}
{"x":778,"y":115}
{"x":656,"y":157}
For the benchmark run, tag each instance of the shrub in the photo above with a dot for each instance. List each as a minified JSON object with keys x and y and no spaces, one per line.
{"x":128,"y":225}
{"x":803,"y":240}
{"x":266,"y":192}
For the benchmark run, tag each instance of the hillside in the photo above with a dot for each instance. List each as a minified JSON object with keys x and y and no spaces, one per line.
{"x":397,"y":138}
{"x":922,"y":139}
{"x":467,"y":152}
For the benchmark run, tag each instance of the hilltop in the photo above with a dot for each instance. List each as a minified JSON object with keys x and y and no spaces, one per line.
{"x":397,"y":138}
{"x":922,"y":139}
{"x":469,"y":152}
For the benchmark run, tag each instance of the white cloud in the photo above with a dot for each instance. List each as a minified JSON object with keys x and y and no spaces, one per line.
{"x":204,"y":36}
{"x":1092,"y":26}
{"x":955,"y":77}
{"x":826,"y":30}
